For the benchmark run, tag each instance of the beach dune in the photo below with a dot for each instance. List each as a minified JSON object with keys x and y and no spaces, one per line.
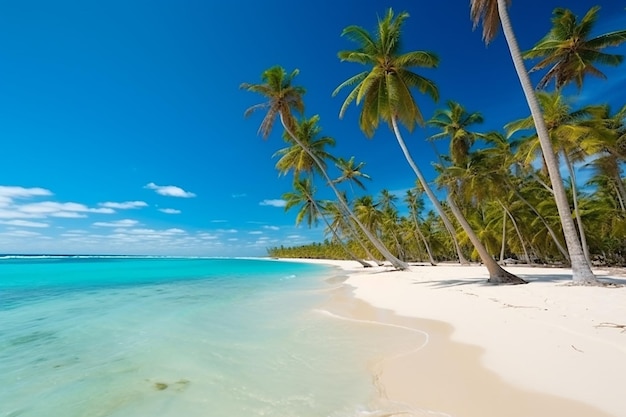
{"x":542,"y":349}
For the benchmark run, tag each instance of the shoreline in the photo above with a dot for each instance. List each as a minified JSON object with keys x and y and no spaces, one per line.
{"x":541,"y":349}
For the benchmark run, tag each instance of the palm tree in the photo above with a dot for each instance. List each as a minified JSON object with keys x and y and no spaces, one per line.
{"x":310,"y":211}
{"x":351,"y":172}
{"x":569,"y":50}
{"x":385,"y":90}
{"x":414,"y":203}
{"x":283,"y":97}
{"x":454,"y":123}
{"x":492,"y":13}
{"x":571,"y":136}
{"x":613,"y":154}
{"x":295,"y":158}
{"x":500,"y":163}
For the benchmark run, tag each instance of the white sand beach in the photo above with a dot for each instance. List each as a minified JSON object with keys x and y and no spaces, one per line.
{"x":541,"y":349}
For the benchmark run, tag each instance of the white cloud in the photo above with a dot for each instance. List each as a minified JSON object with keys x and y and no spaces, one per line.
{"x":52,"y":208}
{"x":21,"y":192}
{"x":118,"y":223}
{"x":255,"y":232}
{"x":125,"y":205}
{"x":24,"y":223}
{"x":21,"y":233}
{"x":207,"y":236}
{"x":239,"y":195}
{"x":273,"y":203}
{"x":169,"y":211}
{"x":68,"y":215}
{"x":169,"y":190}
{"x":271,"y":227}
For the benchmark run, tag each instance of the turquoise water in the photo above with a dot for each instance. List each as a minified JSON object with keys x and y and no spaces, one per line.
{"x":178,"y":337}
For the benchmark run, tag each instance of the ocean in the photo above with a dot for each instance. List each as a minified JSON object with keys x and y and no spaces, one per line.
{"x":137,"y":337}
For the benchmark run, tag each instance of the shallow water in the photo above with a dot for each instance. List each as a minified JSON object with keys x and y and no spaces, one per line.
{"x":170,"y":337}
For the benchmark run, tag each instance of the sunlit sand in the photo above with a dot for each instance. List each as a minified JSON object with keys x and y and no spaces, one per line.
{"x":542,"y":349}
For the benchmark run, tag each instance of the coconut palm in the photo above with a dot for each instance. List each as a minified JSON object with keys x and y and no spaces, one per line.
{"x":351,"y":172}
{"x":283,"y":98}
{"x":385,"y":90}
{"x":610,"y":160}
{"x":295,"y":158}
{"x":303,"y":196}
{"x":454,"y":123}
{"x":344,"y":226}
{"x":492,"y":13}
{"x":571,"y":136}
{"x":569,"y":50}
{"x":414,"y":203}
{"x":501,"y":162}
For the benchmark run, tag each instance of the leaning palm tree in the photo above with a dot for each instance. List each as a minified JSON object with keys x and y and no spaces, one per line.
{"x":283,"y":98}
{"x":571,"y":137}
{"x":492,"y":13}
{"x":352,"y":172}
{"x":295,"y":158}
{"x":303,"y":196}
{"x":414,"y":204}
{"x":385,"y":90}
{"x":570,"y":51}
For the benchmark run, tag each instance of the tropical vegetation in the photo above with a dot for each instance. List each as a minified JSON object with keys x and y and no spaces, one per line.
{"x":505,"y":199}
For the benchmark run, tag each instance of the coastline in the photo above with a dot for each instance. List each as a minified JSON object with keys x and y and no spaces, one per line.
{"x":541,"y":349}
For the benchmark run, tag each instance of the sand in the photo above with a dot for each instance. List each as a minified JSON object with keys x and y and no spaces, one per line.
{"x":541,"y":349}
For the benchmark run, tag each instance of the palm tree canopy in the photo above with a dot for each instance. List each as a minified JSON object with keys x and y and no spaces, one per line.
{"x":569,"y":50}
{"x":350,"y":171}
{"x":454,"y":123}
{"x":385,"y":89}
{"x":487,"y":12}
{"x":302,"y":195}
{"x":295,"y":157}
{"x":283,"y":97}
{"x":568,"y":128}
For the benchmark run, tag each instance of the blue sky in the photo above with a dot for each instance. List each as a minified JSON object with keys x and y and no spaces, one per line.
{"x":122,"y":125}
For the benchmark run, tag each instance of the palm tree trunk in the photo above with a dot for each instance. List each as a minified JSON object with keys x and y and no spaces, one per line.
{"x":338,"y":238}
{"x":357,"y":238}
{"x":543,"y":220}
{"x":618,"y":191}
{"x":503,"y":237}
{"x":497,"y":275}
{"x":617,"y":180}
{"x":427,"y":190}
{"x":581,"y":270}
{"x":419,"y":233}
{"x":397,"y":263}
{"x":579,"y":220}
{"x":519,"y":233}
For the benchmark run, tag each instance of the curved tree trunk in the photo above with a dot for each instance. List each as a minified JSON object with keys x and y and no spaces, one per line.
{"x":497,"y":275}
{"x":579,"y":220}
{"x":428,"y":191}
{"x":419,"y":233}
{"x":543,"y":220}
{"x":503,"y":237}
{"x":397,"y":263}
{"x":581,"y":270}
{"x":358,"y":239}
{"x":519,"y":233}
{"x":338,"y":239}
